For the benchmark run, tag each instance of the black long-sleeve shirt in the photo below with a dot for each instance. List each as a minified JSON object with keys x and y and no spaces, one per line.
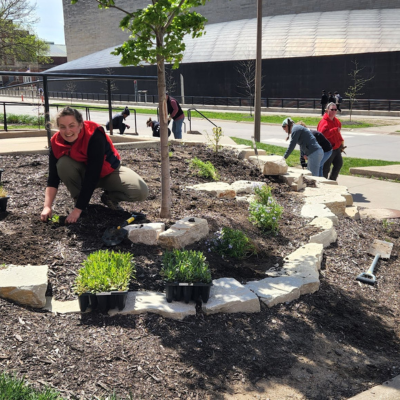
{"x":95,"y":158}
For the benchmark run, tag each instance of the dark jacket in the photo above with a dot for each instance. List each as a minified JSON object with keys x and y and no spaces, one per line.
{"x":322,"y":141}
{"x":303,"y":137}
{"x":156,"y":129}
{"x":117,"y":122}
{"x":171,"y":109}
{"x":324,"y":99}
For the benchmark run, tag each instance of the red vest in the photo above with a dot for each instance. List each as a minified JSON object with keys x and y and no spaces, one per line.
{"x":78,"y":150}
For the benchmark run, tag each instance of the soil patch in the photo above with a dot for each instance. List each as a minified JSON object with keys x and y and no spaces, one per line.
{"x":329,"y":345}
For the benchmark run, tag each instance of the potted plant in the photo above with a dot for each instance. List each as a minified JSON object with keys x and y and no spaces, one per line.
{"x":103,"y":280}
{"x":186,"y":274}
{"x":3,"y":199}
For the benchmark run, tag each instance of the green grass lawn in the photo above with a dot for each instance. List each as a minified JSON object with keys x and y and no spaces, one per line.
{"x":294,"y":159}
{"x":229,"y":116}
{"x":13,"y":388}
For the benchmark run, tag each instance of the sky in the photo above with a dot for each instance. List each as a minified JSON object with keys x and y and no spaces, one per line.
{"x":51,"y":25}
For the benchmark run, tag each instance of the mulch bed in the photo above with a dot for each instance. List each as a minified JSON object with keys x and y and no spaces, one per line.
{"x":328,"y":345}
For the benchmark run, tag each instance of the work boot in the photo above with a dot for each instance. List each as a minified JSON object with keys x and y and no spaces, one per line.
{"x":112,"y":204}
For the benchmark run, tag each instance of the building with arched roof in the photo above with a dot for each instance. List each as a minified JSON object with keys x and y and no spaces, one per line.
{"x":306,"y":47}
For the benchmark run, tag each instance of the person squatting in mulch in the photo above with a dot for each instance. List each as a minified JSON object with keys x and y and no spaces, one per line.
{"x":84,"y":158}
{"x":302,"y":136}
{"x":118,"y":121}
{"x":155,"y":127}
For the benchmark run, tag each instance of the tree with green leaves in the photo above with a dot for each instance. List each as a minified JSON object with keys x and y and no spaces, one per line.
{"x":157,"y":33}
{"x":17,"y":43}
{"x":357,"y":83}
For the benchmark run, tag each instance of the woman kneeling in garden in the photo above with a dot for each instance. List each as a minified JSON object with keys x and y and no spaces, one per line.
{"x":84,"y":158}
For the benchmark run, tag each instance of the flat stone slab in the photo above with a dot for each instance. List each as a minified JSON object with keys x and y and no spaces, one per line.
{"x":62,"y":307}
{"x":305,"y":263}
{"x":145,"y":233}
{"x":246,"y":153}
{"x":328,"y":234}
{"x":318,"y":210}
{"x":184,"y":232}
{"x":320,"y":180}
{"x":24,"y":284}
{"x":270,"y":165}
{"x":294,"y":179}
{"x":386,"y":171}
{"x":221,"y":190}
{"x":155,"y":302}
{"x":379,"y":213}
{"x":353,"y":213}
{"x":227,"y":295}
{"x":323,"y":190}
{"x":246,"y":187}
{"x":273,"y":291}
{"x":304,"y":171}
{"x":334,"y":201}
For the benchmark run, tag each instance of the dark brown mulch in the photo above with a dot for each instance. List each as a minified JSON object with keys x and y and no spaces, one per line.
{"x":329,"y":345}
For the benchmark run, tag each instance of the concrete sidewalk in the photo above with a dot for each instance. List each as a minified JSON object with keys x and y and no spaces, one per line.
{"x":389,"y":390}
{"x":376,"y":198}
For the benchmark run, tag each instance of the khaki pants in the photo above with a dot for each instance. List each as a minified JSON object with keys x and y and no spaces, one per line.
{"x":121,"y":185}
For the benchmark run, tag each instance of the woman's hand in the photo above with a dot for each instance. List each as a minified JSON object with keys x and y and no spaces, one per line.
{"x":73,"y":216}
{"x":46,"y":214}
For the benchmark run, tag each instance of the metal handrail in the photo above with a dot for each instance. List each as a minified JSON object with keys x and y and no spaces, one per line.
{"x":87,"y":111}
{"x":189,"y":114}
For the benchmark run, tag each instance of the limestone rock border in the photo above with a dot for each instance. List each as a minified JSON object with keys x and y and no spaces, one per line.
{"x":300,"y":273}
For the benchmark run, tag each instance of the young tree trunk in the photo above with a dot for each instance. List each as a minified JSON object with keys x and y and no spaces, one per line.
{"x":165,"y":170}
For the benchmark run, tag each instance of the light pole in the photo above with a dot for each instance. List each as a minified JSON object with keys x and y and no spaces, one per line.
{"x":257,"y":96}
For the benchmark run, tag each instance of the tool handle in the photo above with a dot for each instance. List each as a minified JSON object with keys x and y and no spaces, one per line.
{"x":127,"y":222}
{"x":373,"y":265}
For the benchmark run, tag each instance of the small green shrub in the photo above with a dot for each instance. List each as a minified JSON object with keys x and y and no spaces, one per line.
{"x":204,"y":169}
{"x":185,"y":266}
{"x":233,"y":243}
{"x":22,"y":119}
{"x":265,"y":212}
{"x":215,"y":138}
{"x":105,"y":271}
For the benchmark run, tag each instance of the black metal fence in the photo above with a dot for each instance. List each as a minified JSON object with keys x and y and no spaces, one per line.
{"x":299,"y":103}
{"x":269,"y":102}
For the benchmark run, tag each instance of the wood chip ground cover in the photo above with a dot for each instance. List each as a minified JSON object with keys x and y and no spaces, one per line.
{"x":329,"y":345}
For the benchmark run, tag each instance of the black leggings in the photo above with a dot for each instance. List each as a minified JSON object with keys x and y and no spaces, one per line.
{"x":337,"y":161}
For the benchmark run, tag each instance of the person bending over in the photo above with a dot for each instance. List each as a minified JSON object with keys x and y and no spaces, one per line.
{"x":308,"y":144}
{"x":83,"y":156}
{"x":155,"y":127}
{"x":176,"y":113}
{"x":325,"y":145}
{"x":118,"y":121}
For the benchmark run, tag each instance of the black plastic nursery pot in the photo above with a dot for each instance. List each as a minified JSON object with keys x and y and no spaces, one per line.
{"x":177,"y":291}
{"x":3,"y":203}
{"x":102,"y":302}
